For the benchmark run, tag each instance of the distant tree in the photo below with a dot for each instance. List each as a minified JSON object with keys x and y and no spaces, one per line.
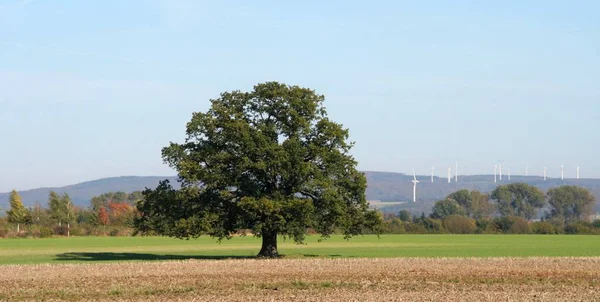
{"x":103,"y":217}
{"x":18,"y":213}
{"x":135,"y":197}
{"x":464,"y":199}
{"x":456,"y":224}
{"x":405,"y":216}
{"x":446,"y":207}
{"x":61,"y":210}
{"x":481,"y":207}
{"x":269,"y":160}
{"x":67,"y":210}
{"x":54,"y":204}
{"x":518,"y":199}
{"x":570,"y":203}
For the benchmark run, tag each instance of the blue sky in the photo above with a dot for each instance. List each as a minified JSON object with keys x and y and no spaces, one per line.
{"x":92,"y":89}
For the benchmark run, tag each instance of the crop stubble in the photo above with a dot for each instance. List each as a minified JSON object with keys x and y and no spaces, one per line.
{"x":390,"y":279}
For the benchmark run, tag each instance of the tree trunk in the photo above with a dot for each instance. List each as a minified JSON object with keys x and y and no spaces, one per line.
{"x":18,"y":228}
{"x":69,"y":229}
{"x":269,"y":245}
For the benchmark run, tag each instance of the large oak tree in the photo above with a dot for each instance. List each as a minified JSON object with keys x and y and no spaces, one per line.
{"x":269,"y":160}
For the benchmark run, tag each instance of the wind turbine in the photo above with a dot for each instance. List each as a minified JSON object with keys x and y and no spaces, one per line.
{"x":545,"y":172}
{"x":495,"y":172}
{"x":449,"y":174}
{"x":526,"y":170}
{"x":432,"y":170}
{"x":508,"y":174}
{"x":415,"y":182}
{"x":500,"y":170}
{"x":562,"y":172}
{"x":577,"y":172}
{"x":456,"y":173}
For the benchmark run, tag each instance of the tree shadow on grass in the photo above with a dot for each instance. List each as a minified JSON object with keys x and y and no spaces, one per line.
{"x":93,"y":257}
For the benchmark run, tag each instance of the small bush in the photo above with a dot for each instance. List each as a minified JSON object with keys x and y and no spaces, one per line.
{"x":46,"y":232}
{"x":432,"y":225}
{"x":543,"y":227}
{"x":415,"y":228}
{"x":456,"y":224}
{"x":519,"y":226}
{"x":485,"y":226}
{"x":579,"y":228}
{"x":512,"y":225}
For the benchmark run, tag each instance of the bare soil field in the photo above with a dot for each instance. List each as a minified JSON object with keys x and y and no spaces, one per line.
{"x":390,"y":279}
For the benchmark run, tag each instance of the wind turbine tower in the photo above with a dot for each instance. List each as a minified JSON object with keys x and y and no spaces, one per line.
{"x":545,"y":172}
{"x":562,"y":172}
{"x":415,"y":182}
{"x":456,"y":173}
{"x":432,"y":170}
{"x":495,"y":172}
{"x":577,"y":172}
{"x":500,"y":170}
{"x":508,"y":174}
{"x":449,"y":174}
{"x":526,"y":170}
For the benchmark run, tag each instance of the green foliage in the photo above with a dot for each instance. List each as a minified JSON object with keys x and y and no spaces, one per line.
{"x":512,"y":225}
{"x":570,"y":203}
{"x":456,"y":224}
{"x":18,"y":213}
{"x":445,"y":208}
{"x":518,"y":199}
{"x":46,"y":232}
{"x":486,"y":226}
{"x":543,"y":227}
{"x":481,"y":207}
{"x":431,"y":225}
{"x":580,"y":227}
{"x":464,"y":199}
{"x":405,"y":216}
{"x":269,"y":160}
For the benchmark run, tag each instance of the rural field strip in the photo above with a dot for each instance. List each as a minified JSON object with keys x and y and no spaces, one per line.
{"x":408,"y":279}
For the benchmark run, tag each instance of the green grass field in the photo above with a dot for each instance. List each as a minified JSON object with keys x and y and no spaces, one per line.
{"x":105,"y":249}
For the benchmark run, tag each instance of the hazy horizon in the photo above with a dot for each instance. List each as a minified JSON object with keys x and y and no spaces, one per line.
{"x":95,"y":90}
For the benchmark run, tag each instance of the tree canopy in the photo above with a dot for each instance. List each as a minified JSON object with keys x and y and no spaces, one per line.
{"x":445,"y":208}
{"x":570,"y":203}
{"x":518,"y":199}
{"x":268,"y":160}
{"x":18,"y":213}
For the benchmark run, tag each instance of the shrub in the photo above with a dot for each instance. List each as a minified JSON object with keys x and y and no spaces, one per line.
{"x":405,"y":216}
{"x":519,"y":226}
{"x":456,"y":224}
{"x":395,"y":226}
{"x":486,"y":226}
{"x":46,"y":232}
{"x":512,"y":225}
{"x":432,"y":226}
{"x":579,"y":228}
{"x":596,"y":224}
{"x":543,"y":227}
{"x":415,"y":228}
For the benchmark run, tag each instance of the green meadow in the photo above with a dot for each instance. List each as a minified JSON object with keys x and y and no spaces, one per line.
{"x":111,"y":249}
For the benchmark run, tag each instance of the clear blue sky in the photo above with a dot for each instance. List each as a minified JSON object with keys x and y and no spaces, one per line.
{"x":92,"y":89}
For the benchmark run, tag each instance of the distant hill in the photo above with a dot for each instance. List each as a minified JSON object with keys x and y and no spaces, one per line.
{"x":382,"y":186}
{"x":396,"y":187}
{"x":82,"y":193}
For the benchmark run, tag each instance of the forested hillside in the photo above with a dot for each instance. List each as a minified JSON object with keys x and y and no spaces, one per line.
{"x":382,"y":186}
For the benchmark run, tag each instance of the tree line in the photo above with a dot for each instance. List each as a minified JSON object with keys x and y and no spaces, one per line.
{"x":108,"y":214}
{"x":512,"y":208}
